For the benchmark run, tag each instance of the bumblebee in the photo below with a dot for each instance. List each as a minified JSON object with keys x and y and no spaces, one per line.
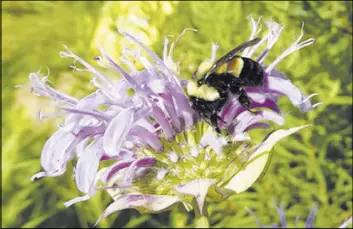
{"x":227,"y":75}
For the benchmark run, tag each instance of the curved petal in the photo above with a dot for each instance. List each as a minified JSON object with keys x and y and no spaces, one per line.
{"x":216,"y":142}
{"x":160,"y":64}
{"x":233,"y":108}
{"x":87,"y":166}
{"x":133,"y":168}
{"x":182,"y":105}
{"x":258,"y":161}
{"x":48,"y":174}
{"x":142,"y":203}
{"x":157,"y":85}
{"x":40,"y":88}
{"x":91,"y":193}
{"x":142,"y":77}
{"x":297,"y":98}
{"x":117,"y":131}
{"x":170,"y":107}
{"x":90,"y":102}
{"x":147,"y":124}
{"x":147,"y":137}
{"x":247,"y":119}
{"x":54,"y":153}
{"x":201,"y":188}
{"x":161,"y":119}
{"x":113,"y":169}
{"x":258,"y":126}
{"x":196,"y":188}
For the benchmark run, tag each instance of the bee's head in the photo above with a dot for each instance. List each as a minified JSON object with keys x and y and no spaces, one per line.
{"x":192,"y":88}
{"x":203,"y":91}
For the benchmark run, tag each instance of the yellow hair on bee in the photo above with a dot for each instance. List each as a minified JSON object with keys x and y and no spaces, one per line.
{"x":235,"y":66}
{"x":203,"y":68}
{"x":203,"y":92}
{"x":222,"y":69}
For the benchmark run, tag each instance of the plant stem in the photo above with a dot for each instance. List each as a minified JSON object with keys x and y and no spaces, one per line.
{"x":201,"y":218}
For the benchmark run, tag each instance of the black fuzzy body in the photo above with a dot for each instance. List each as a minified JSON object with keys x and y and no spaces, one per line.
{"x":252,"y":75}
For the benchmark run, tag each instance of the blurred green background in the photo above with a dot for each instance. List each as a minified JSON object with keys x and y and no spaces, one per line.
{"x":312,"y":167}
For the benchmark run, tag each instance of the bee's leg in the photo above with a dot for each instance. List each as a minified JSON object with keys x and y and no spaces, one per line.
{"x":236,"y":84}
{"x":219,"y":105}
{"x":205,"y":111}
{"x":214,"y":121}
{"x":219,"y":117}
{"x":244,"y":100}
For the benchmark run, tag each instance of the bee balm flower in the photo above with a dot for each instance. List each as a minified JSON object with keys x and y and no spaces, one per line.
{"x":161,"y":151}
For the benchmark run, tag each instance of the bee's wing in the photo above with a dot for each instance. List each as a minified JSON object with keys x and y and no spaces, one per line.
{"x":231,"y":54}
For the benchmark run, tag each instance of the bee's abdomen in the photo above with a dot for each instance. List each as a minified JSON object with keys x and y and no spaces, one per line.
{"x":252,"y":73}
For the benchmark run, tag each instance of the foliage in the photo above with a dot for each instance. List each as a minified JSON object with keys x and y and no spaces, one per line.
{"x":312,"y":167}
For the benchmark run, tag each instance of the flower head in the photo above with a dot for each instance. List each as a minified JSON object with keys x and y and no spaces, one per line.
{"x":160,"y":151}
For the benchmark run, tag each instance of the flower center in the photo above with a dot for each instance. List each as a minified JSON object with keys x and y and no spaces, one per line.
{"x":199,"y":153}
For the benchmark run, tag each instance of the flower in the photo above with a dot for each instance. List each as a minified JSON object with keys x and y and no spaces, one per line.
{"x":160,"y":152}
{"x":308,"y":224}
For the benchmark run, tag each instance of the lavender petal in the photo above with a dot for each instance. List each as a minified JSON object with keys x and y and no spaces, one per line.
{"x":159,"y":115}
{"x":285,"y":87}
{"x":247,"y":119}
{"x":143,"y":203}
{"x":214,"y":141}
{"x":90,"y":102}
{"x":146,"y":136}
{"x":281,"y":214}
{"x":117,"y":131}
{"x":91,"y":193}
{"x":311,"y":218}
{"x":137,"y":164}
{"x":233,"y":109}
{"x":183,"y":107}
{"x":170,"y":107}
{"x":159,"y":61}
{"x":55,"y":151}
{"x":115,"y":168}
{"x":87,"y":166}
{"x":40,"y":88}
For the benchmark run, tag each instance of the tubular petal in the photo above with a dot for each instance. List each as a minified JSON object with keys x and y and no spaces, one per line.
{"x":247,"y":119}
{"x":87,"y":166}
{"x":133,"y":168}
{"x":285,"y":87}
{"x":117,"y":131}
{"x":55,"y":151}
